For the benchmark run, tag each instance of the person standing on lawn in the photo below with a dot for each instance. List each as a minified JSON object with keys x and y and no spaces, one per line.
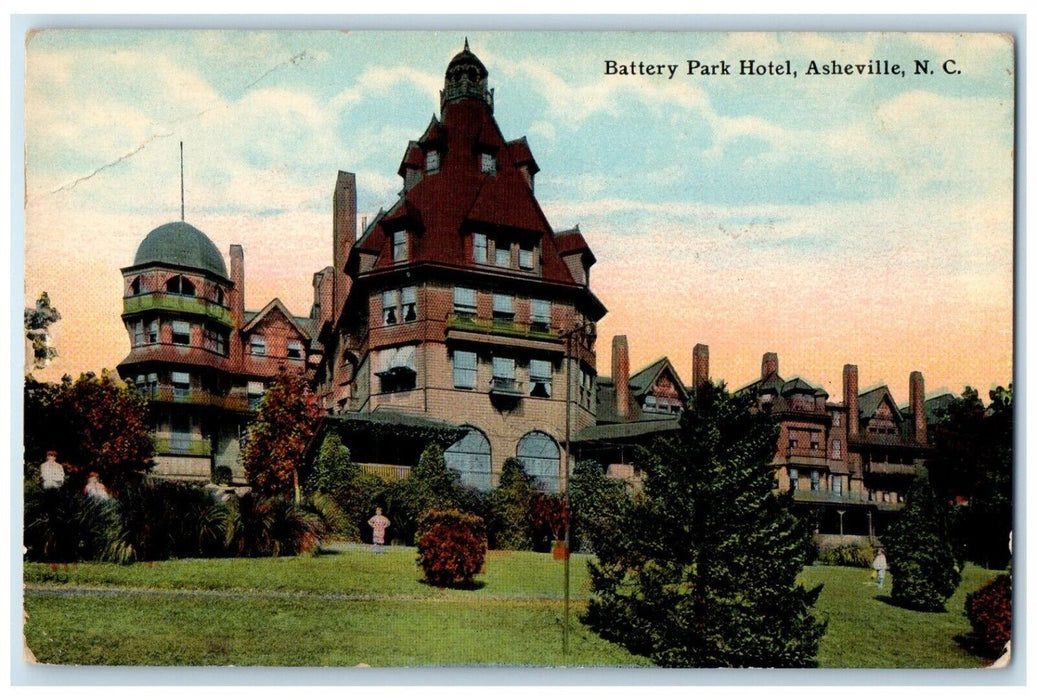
{"x":880,"y":566}
{"x":378,"y":524}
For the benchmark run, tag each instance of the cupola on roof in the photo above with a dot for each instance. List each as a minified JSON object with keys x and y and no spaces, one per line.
{"x":180,"y":243}
{"x":466,"y":78}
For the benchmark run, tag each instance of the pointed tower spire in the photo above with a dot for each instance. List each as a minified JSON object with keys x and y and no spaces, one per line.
{"x":466,"y":45}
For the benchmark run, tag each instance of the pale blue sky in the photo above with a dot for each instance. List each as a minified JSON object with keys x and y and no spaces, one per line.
{"x":830,"y":219}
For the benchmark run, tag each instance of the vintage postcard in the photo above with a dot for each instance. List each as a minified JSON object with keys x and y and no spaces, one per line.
{"x":518,"y":349}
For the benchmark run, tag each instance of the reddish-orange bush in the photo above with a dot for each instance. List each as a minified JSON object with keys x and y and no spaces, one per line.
{"x":451,"y":547}
{"x":990,"y":613}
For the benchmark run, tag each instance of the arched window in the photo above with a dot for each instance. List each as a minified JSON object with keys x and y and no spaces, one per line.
{"x":135,"y":286}
{"x":540,"y":455}
{"x":220,"y":296}
{"x":470,"y":457}
{"x":180,"y":285}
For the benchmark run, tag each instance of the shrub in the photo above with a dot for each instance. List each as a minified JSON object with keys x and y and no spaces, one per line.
{"x":859,"y":554}
{"x":273,"y":526}
{"x":63,"y":525}
{"x":451,"y":547}
{"x":990,"y":613}
{"x":164,"y":520}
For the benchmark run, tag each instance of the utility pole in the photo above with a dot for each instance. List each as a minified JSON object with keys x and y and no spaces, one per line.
{"x":568,"y":335}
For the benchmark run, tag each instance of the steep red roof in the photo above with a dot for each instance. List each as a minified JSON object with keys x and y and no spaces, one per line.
{"x":458,"y":199}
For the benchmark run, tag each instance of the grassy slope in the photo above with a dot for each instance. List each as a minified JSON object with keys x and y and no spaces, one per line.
{"x":353,"y":607}
{"x":866,"y":631}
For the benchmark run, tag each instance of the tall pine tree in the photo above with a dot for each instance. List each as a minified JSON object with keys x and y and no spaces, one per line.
{"x":701,"y":571}
{"x":921,"y":559}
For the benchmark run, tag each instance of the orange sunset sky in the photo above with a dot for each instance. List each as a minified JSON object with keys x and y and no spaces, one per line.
{"x":833,"y":220}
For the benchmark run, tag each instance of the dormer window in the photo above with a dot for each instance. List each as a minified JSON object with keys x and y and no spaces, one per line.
{"x":257,"y":346}
{"x":502,"y":255}
{"x":180,"y":285}
{"x":480,"y":251}
{"x":432,"y":162}
{"x":488,"y":163}
{"x":525,"y":258}
{"x":399,"y":246}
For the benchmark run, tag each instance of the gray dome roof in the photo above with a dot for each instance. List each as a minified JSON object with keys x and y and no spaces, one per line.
{"x":180,"y":243}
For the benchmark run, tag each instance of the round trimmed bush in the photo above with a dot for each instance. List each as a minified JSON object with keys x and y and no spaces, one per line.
{"x":451,"y":547}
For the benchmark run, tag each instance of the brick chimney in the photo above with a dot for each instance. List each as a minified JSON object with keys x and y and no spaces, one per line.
{"x":699,"y":365}
{"x":621,"y":375}
{"x":851,"y":399}
{"x":323,"y":289}
{"x":769,"y":364}
{"x":344,"y":225}
{"x":237,"y":300}
{"x":918,"y":407}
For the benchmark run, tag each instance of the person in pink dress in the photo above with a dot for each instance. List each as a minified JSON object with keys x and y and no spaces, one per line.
{"x":378,"y":524}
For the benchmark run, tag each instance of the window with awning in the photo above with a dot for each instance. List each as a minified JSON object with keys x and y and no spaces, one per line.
{"x":396,"y":369}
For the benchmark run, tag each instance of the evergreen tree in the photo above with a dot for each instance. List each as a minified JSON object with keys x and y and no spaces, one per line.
{"x":921,"y":559}
{"x":509,"y":506}
{"x":597,"y":503}
{"x":701,"y":569}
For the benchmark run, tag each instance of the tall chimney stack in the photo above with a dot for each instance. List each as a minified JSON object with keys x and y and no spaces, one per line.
{"x":769,"y":364}
{"x":344,"y":224}
{"x":851,"y":399}
{"x":918,"y":407}
{"x":699,"y":365}
{"x":621,"y":375}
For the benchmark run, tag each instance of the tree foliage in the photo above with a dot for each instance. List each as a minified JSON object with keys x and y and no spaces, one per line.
{"x":37,"y":322}
{"x":95,"y":424}
{"x":701,"y":568}
{"x":278,"y":436}
{"x":597,"y":505}
{"x":972,"y":464}
{"x":921,"y":559}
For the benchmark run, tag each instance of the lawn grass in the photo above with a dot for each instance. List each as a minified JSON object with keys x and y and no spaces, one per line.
{"x":353,"y":607}
{"x":865,"y":630}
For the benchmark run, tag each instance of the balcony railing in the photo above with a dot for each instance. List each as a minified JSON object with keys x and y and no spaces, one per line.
{"x":505,"y":328}
{"x":180,"y":446}
{"x":161,"y":301}
{"x":198,"y":397}
{"x":388,"y":472}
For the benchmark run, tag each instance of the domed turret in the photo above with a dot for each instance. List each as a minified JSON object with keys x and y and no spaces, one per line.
{"x":179,"y":243}
{"x":465,"y":79}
